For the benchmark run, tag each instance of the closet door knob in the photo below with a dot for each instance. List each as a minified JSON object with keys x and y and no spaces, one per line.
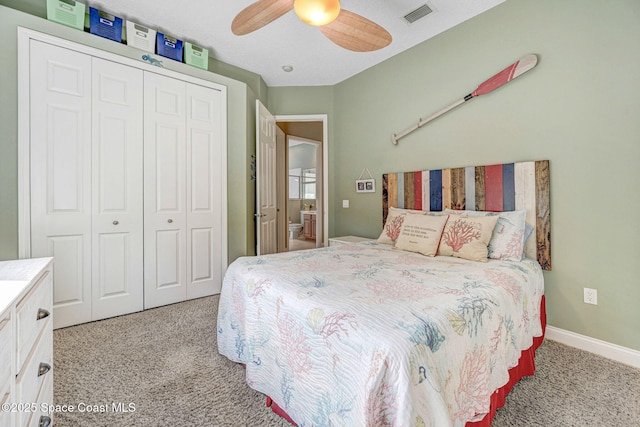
{"x":116,"y":222}
{"x":43,"y":369}
{"x":42,"y":313}
{"x":169,"y":220}
{"x":45,"y":421}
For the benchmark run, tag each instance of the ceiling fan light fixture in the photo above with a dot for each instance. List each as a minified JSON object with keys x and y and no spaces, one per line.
{"x":317,"y":12}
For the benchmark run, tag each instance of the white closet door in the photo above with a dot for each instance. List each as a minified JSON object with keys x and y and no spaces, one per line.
{"x":165,"y":277}
{"x":204,"y":191}
{"x":117,"y":229}
{"x":60,"y":169}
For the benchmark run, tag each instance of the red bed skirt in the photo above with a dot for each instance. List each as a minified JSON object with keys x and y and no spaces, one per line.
{"x":526,"y":367}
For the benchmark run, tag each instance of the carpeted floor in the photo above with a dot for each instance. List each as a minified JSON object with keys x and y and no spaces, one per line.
{"x":162,"y":365}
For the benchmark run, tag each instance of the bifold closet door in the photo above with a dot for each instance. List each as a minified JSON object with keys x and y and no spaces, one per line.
{"x":183,"y":185}
{"x":60,"y":174}
{"x":117,"y":231}
{"x":86,"y":181}
{"x":205,"y":157}
{"x":165,"y":240}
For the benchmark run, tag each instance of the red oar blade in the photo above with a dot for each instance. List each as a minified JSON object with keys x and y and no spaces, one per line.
{"x":505,"y":76}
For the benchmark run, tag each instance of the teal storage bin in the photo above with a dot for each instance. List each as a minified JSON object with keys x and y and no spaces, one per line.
{"x":196,"y":56}
{"x":66,"y":12}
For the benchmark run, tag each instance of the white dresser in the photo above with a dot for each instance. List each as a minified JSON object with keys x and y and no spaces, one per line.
{"x":26,"y":342}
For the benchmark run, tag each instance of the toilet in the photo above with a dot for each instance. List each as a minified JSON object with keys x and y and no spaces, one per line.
{"x":294,"y":230}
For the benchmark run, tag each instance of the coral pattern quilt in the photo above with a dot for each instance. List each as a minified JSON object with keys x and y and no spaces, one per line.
{"x":368,"y":335}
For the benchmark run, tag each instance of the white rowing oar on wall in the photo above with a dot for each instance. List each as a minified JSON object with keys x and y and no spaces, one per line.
{"x":505,"y":76}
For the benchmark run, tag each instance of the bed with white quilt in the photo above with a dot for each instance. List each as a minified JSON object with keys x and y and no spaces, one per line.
{"x":388,"y":333}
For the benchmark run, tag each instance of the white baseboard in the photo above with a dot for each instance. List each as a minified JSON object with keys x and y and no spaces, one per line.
{"x":602,"y":348}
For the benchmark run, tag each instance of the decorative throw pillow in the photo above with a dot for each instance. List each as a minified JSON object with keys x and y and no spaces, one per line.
{"x":507,"y":240}
{"x":467,"y":237}
{"x":392,"y":226}
{"x":421,"y":233}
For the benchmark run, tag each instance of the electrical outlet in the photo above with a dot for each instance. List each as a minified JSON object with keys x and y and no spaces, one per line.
{"x":345,"y":203}
{"x":591,"y":296}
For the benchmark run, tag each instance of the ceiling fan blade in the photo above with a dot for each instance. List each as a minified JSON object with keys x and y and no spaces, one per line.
{"x":354,"y":32}
{"x":259,"y":14}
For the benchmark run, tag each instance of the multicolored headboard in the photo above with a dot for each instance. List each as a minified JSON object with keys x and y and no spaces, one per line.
{"x":497,"y":188}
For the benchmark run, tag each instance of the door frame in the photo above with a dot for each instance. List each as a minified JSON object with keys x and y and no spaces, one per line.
{"x":325,"y":163}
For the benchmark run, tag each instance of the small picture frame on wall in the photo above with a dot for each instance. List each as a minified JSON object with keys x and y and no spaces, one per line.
{"x":366,"y":185}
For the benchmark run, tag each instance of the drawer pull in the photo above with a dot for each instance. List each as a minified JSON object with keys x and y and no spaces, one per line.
{"x":45,"y":421}
{"x":43,"y":369}
{"x":42,"y":313}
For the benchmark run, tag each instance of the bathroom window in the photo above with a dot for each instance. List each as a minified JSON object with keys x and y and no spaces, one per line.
{"x":309,"y":184}
{"x":295,"y":176}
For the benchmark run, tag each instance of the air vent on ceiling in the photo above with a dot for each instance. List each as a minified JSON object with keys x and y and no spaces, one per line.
{"x":419,"y":13}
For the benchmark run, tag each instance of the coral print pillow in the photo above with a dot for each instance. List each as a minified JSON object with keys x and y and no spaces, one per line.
{"x":467,"y":237}
{"x":392,"y":227}
{"x":507,"y":240}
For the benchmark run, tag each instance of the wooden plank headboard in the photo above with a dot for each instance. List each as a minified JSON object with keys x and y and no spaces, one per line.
{"x":496,"y":188}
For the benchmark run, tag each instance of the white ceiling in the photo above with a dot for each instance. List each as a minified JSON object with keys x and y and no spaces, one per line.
{"x":288,"y":41}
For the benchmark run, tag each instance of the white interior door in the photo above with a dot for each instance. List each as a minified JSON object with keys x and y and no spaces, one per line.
{"x":266,"y":200}
{"x":165,"y":275}
{"x":60,"y":174}
{"x":117,"y":238}
{"x":205,"y":153}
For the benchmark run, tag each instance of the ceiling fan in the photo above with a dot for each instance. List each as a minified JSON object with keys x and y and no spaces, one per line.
{"x":346,"y":29}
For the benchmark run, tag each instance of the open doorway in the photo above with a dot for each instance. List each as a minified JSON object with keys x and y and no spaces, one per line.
{"x":304,"y":179}
{"x":304,"y":159}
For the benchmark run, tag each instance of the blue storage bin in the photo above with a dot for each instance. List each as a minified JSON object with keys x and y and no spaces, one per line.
{"x":105,"y":25}
{"x":169,"y":47}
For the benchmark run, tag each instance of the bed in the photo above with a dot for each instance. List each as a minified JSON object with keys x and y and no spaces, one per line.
{"x":370,"y":334}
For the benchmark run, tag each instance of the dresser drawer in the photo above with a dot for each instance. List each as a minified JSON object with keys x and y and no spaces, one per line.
{"x":5,"y":353}
{"x":32,"y":313}
{"x":41,"y":418}
{"x":38,"y":370}
{"x":6,"y":417}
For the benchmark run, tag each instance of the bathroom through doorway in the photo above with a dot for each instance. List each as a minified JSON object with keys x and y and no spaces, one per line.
{"x":304,"y":178}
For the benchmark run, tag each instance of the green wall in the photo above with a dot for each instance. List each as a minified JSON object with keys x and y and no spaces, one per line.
{"x":579,"y":108}
{"x":240,"y":131}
